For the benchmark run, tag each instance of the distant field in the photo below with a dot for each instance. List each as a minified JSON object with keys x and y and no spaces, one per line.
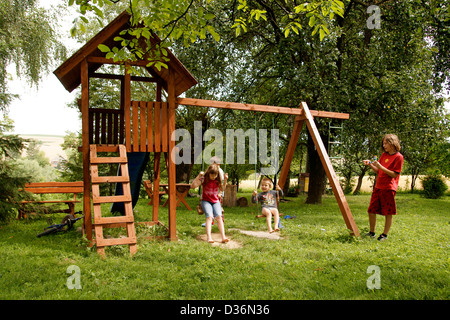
{"x":51,"y":145}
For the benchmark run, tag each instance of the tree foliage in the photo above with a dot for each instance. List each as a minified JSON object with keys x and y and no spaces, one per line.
{"x":28,"y":41}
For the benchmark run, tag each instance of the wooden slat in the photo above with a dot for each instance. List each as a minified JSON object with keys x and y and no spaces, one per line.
{"x":109,"y":138}
{"x":142,"y":122}
{"x":107,"y":148}
{"x":91,"y":127}
{"x":38,"y":190}
{"x":135,"y":125}
{"x":164,"y":127}
{"x":52,"y":201}
{"x":55,"y":184}
{"x":110,"y":199}
{"x":103,"y":128}
{"x":116,"y":241}
{"x":109,"y":179}
{"x":110,"y":220}
{"x":150,"y":127}
{"x":157,"y":126}
{"x":109,"y":160}
{"x":116,"y":129}
{"x":97,"y":127}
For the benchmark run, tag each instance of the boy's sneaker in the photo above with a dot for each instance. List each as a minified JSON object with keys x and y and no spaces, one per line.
{"x":382,"y":237}
{"x":370,"y":234}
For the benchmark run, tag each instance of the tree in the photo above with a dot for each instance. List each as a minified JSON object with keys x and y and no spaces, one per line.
{"x":10,"y":197}
{"x":27,"y":41}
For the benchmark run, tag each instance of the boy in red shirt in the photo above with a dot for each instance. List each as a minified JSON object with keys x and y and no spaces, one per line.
{"x":388,"y":170}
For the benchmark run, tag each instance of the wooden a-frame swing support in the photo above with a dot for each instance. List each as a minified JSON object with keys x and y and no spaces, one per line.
{"x":303,"y":114}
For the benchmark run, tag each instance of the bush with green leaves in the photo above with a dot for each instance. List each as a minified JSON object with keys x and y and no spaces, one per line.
{"x":434,"y":186}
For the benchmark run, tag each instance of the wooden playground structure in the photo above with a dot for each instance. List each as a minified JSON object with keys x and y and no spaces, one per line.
{"x":142,"y":127}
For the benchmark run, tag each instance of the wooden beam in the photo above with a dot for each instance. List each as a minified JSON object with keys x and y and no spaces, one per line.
{"x":331,"y":174}
{"x":109,"y":76}
{"x":258,"y":108}
{"x":101,"y":60}
{"x":290,"y":152}
{"x":171,"y":164}
{"x":85,"y":150}
{"x":127,"y":107}
{"x":156,"y":167}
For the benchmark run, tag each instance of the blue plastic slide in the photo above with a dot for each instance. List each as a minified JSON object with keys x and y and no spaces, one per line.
{"x":136,"y":166}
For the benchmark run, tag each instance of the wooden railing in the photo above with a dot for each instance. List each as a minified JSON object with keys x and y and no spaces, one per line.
{"x":142,"y":129}
{"x":149,"y":131}
{"x":106,"y":126}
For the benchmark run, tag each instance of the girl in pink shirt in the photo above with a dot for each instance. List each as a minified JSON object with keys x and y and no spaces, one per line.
{"x":212,"y":185}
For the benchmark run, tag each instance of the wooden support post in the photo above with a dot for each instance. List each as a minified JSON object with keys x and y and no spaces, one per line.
{"x":127,"y":107}
{"x":156,"y":167}
{"x":171,"y":163}
{"x":290,"y":151}
{"x":85,"y":151}
{"x":331,"y":174}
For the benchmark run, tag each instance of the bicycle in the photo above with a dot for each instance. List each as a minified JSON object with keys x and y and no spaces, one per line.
{"x":68,"y":221}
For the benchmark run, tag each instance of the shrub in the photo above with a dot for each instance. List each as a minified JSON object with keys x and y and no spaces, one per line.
{"x":434,"y":186}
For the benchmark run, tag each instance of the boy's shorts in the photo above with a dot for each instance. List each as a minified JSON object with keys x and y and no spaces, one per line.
{"x":383,"y":202}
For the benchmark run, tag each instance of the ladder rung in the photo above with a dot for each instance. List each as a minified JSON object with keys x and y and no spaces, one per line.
{"x":112,"y":220}
{"x":97,"y":160}
{"x":110,"y":199}
{"x":110,"y":179}
{"x":115,"y":241}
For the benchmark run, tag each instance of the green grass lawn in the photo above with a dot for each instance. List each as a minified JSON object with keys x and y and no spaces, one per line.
{"x":316,"y":258}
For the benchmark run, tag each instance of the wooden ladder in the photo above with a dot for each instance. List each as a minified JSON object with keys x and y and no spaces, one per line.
{"x":101,"y":222}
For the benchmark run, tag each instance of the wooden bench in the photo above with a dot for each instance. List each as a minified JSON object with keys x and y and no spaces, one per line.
{"x":149,"y":188}
{"x":53,"y":188}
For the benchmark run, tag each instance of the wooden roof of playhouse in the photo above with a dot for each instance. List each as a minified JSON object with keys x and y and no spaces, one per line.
{"x":69,"y":73}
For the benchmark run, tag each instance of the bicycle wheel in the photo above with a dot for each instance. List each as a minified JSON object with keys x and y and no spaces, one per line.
{"x":68,"y":220}
{"x":48,"y":231}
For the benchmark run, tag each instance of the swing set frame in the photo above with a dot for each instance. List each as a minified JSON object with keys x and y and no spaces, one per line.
{"x":303,"y":115}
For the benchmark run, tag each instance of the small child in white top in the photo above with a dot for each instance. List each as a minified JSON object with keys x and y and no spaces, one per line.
{"x":269,"y":206}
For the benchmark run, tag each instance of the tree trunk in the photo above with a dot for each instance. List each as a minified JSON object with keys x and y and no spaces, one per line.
{"x":317,"y":174}
{"x":360,"y":180}
{"x":359,"y":184}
